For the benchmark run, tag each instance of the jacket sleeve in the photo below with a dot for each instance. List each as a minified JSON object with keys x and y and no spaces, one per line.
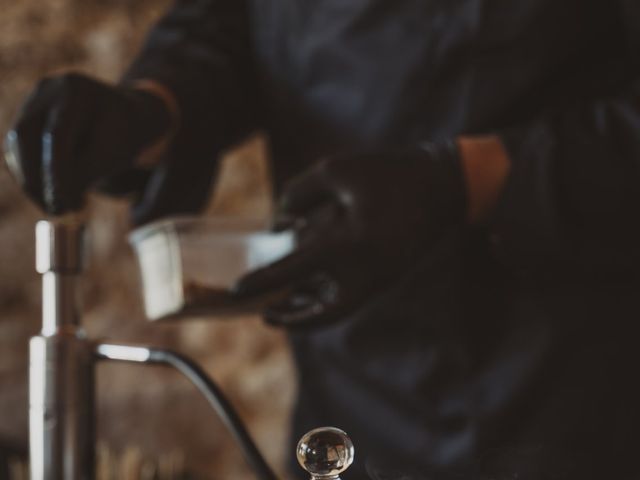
{"x":200,"y":50}
{"x":572,"y":199}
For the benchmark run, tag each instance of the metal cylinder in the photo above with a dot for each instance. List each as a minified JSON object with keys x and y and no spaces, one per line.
{"x":59,"y":258}
{"x":61,"y":416}
{"x":61,"y":383}
{"x":59,"y":245}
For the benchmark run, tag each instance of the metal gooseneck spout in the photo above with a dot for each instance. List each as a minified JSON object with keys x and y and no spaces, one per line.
{"x":206,"y":386}
{"x":61,"y":406}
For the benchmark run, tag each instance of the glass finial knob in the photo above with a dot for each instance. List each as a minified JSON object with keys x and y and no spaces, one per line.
{"x":325,"y":453}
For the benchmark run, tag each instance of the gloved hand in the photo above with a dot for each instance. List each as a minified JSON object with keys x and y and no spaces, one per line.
{"x":362,"y":221}
{"x":74,"y":131}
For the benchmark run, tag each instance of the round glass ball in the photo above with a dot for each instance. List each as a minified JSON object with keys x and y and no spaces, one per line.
{"x":325,"y":452}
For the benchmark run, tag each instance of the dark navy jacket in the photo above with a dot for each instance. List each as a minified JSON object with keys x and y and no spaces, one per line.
{"x":510,"y":349}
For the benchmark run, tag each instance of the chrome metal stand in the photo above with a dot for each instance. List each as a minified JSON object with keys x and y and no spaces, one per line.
{"x":62,"y":361}
{"x":61,"y":426}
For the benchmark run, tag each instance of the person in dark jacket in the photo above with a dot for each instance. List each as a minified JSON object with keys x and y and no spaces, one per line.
{"x":464,"y":179}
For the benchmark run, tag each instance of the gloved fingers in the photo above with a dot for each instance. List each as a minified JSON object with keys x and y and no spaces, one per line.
{"x":319,"y":240}
{"x":40,"y":100}
{"x":19,"y":149}
{"x":160,"y":192}
{"x":323,"y":223}
{"x":298,"y":311}
{"x":128,"y":123}
{"x":125,"y":182}
{"x":284,"y":272}
{"x":172,"y":189}
{"x":302,"y":194}
{"x":64,"y":178}
{"x":323,"y":299}
{"x":23,"y":144}
{"x":312,"y":303}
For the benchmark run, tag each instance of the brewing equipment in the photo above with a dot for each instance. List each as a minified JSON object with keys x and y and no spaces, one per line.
{"x":188,"y":265}
{"x":63,"y":363}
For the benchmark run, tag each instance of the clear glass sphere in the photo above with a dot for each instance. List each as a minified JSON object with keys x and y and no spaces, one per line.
{"x":325,"y":452}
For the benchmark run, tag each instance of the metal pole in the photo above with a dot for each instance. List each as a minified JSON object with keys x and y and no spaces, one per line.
{"x":61,"y":384}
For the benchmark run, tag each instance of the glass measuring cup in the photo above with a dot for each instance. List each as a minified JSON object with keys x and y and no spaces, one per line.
{"x":189,"y":264}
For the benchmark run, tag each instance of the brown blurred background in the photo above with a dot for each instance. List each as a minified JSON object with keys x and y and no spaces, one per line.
{"x":147,"y":416}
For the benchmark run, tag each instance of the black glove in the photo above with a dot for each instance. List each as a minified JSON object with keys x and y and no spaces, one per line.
{"x":74,"y":131}
{"x":362,"y":221}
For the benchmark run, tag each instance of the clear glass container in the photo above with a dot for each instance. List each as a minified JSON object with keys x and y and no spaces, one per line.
{"x":189,"y":264}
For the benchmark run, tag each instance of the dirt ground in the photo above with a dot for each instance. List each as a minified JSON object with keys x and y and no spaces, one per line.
{"x":145,"y":413}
